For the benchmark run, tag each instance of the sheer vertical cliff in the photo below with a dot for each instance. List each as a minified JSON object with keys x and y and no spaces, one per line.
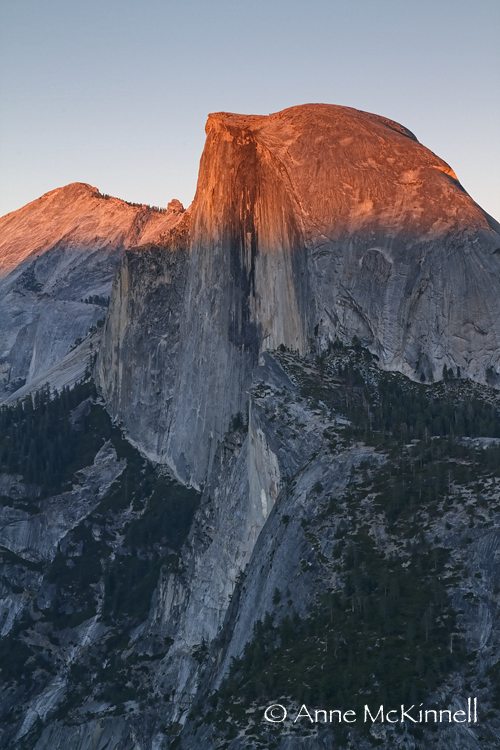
{"x":247,"y":288}
{"x":315,"y":223}
{"x":138,"y":365}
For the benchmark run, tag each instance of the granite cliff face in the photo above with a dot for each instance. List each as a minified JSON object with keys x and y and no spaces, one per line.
{"x":315,"y":223}
{"x":58,"y":256}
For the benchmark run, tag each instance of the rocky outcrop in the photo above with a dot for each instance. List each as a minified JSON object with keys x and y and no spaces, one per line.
{"x":315,"y":223}
{"x":58,"y":256}
{"x":35,"y":536}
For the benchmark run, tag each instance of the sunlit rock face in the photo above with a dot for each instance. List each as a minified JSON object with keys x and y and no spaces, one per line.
{"x":76,"y":216}
{"x":58,"y":256}
{"x":392,"y":248}
{"x":314,"y":223}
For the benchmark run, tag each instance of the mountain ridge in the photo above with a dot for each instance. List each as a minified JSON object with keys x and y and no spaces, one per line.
{"x":58,"y":255}
{"x":78,"y":214}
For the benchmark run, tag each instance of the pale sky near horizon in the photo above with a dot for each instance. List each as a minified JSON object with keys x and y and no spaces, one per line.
{"x":116,"y":92}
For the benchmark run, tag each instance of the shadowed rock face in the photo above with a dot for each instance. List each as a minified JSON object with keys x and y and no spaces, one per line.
{"x":137,"y":365}
{"x":314,"y":223}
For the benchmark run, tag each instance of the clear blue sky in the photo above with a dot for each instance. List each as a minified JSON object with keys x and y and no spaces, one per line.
{"x":116,"y":92}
